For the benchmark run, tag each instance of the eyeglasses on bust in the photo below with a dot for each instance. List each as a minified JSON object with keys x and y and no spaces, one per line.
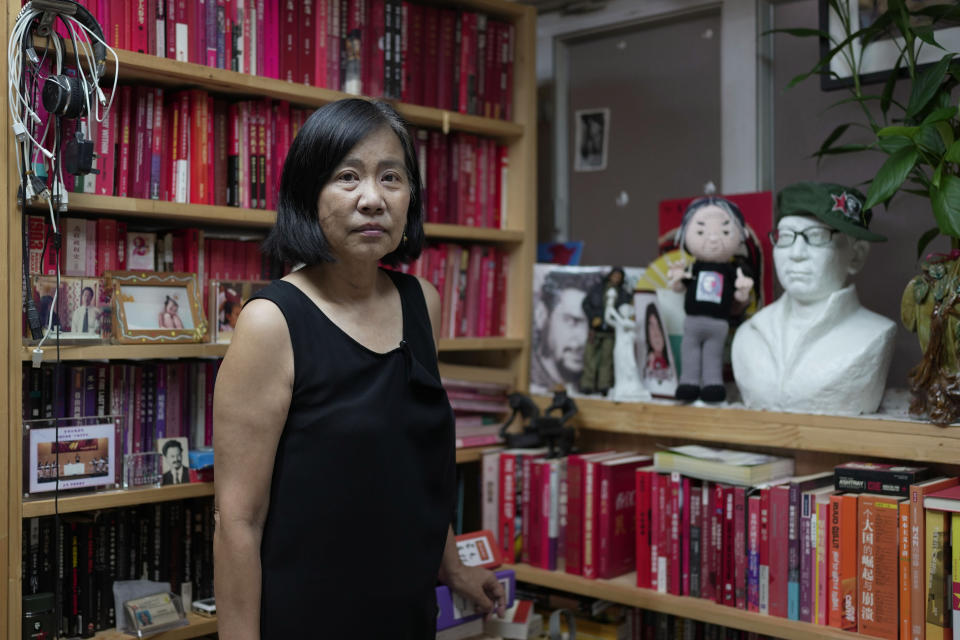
{"x":813,"y":236}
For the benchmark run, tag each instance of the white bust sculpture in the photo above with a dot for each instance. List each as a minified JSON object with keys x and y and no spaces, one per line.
{"x":816,"y":349}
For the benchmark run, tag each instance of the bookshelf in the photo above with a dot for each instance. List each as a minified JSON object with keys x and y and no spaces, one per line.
{"x":494,"y":359}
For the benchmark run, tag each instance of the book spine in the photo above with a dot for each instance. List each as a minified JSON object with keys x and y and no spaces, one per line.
{"x":685,"y":537}
{"x":904,"y":514}
{"x":740,"y":546}
{"x":779,"y":550}
{"x":806,"y":557}
{"x":764,"y":584}
{"x":574,"y":533}
{"x":753,"y":553}
{"x":590,"y":511}
{"x":879,"y":481}
{"x":793,"y":552}
{"x":673,"y":510}
{"x":706,"y":544}
{"x":938,"y":595}
{"x":604,"y":520}
{"x":877,"y":570}
{"x":696,"y":538}
{"x":727,"y":548}
{"x":508,"y":508}
{"x":528,"y":503}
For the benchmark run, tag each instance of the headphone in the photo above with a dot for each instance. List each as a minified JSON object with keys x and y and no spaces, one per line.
{"x":64,"y":95}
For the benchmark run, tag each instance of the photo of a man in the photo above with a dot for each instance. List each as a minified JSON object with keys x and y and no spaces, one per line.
{"x":175,"y":456}
{"x":592,"y":133}
{"x":86,"y":317}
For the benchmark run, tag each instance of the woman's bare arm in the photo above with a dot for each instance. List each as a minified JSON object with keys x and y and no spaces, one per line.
{"x":252,"y":396}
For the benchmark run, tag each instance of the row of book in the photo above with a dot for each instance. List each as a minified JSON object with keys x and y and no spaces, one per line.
{"x":479,"y":408}
{"x":420,"y":54}
{"x":472,"y":282}
{"x":857,"y":548}
{"x":190,"y":147}
{"x":80,"y":560}
{"x":155,"y":399}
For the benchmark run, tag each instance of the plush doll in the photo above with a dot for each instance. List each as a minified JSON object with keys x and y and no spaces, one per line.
{"x":712,"y":230}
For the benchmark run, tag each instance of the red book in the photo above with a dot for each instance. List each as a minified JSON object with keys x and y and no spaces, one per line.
{"x":727,"y":549}
{"x":616,"y":522}
{"x":413,"y":46}
{"x":717,"y":505}
{"x":143,"y":141}
{"x":674,"y":534}
{"x":126,"y":115}
{"x":843,"y":561}
{"x":114,"y":25}
{"x":430,"y":56}
{"x":779,"y":545}
{"x":753,"y":553}
{"x":644,"y":549}
{"x":503,"y":267}
{"x":121,"y":245}
{"x":333,"y":45}
{"x":918,"y":577}
{"x":373,"y":39}
{"x":140,"y":41}
{"x":511,"y":472}
{"x":126,"y":28}
{"x":467,"y":89}
{"x":506,"y":87}
{"x":904,"y":542}
{"x":211,"y":379}
{"x":210,"y":151}
{"x":662,"y":531}
{"x":446,"y":49}
{"x":575,"y":480}
{"x":307,"y":48}
{"x":220,"y":140}
{"x":490,"y":70}
{"x":320,"y":18}
{"x":107,"y":157}
{"x":685,"y":536}
{"x":170,"y":29}
{"x":156,"y":145}
{"x":137,"y":440}
{"x":740,"y":547}
{"x":106,"y":245}
{"x":532,"y":519}
{"x":181,"y":164}
{"x":193,"y":26}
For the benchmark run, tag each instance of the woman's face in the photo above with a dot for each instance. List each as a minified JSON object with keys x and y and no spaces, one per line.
{"x":171,"y":306}
{"x":362,"y":209}
{"x":655,"y":334}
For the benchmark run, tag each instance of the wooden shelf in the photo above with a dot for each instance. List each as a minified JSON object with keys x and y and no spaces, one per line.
{"x":203,"y":350}
{"x":199,"y":626}
{"x":858,"y":436}
{"x":178,"y":212}
{"x":128,"y":351}
{"x":472,"y":454}
{"x":141,"y":67}
{"x":110,"y":499}
{"x":481,"y":344}
{"x":623,"y":590}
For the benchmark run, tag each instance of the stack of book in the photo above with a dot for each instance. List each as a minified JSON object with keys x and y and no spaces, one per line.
{"x":479,"y":408}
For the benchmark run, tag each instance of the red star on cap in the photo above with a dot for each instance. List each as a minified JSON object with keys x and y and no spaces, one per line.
{"x":839,"y":202}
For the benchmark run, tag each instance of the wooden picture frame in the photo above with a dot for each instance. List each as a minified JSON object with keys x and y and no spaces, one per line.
{"x":156,"y":307}
{"x":877,"y":58}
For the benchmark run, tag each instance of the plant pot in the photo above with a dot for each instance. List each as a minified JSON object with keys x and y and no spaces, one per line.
{"x":930,"y":307}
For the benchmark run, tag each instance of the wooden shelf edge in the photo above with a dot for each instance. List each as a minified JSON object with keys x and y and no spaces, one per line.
{"x":116,"y":498}
{"x":472,"y":454}
{"x":623,"y":591}
{"x":854,"y":435}
{"x":174,"y":73}
{"x":199,"y":626}
{"x":127,"y":351}
{"x":479,"y":234}
{"x":481,"y":344}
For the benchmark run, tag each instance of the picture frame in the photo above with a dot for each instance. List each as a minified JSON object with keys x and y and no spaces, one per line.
{"x":172,"y":473}
{"x":70,"y":453}
{"x":156,"y":307}
{"x":80,"y":308}
{"x":655,"y":359}
{"x":227,"y":297}
{"x":878,"y":58}
{"x":592,"y":138}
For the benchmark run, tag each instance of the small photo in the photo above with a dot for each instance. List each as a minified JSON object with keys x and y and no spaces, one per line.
{"x":657,"y":365}
{"x":226,"y":301}
{"x":80,"y":456}
{"x":592,"y":135}
{"x":151,"y":308}
{"x":176,"y":460}
{"x":77,"y":307}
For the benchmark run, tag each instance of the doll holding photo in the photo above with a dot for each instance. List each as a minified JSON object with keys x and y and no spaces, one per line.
{"x":716,"y":290}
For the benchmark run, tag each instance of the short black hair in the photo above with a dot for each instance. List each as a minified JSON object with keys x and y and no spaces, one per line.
{"x":321,"y":144}
{"x":730,"y":207}
{"x":556,"y":281}
{"x":653,"y":313}
{"x":169,"y":444}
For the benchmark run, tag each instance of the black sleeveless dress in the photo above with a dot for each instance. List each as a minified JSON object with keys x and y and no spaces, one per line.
{"x":363,"y":482}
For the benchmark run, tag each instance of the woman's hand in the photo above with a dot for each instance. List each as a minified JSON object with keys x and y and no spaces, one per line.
{"x":481,"y":587}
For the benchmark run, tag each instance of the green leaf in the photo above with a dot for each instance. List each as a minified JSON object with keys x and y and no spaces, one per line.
{"x":890,"y":176}
{"x":941,"y":114}
{"x":926,"y":86}
{"x":908,"y":132}
{"x":887,"y":96}
{"x":935,"y":180}
{"x":946,"y":205}
{"x":922,"y":243}
{"x":946,"y":133}
{"x":929,"y":138}
{"x":840,"y":149}
{"x":925,"y":33}
{"x":801,"y":33}
{"x":892,"y":144}
{"x":860,"y":99}
{"x":940,"y":12}
{"x":953,"y":153}
{"x":836,"y":133}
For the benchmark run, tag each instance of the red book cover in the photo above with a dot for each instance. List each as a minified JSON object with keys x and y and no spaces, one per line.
{"x":181,"y":179}
{"x":753,"y":553}
{"x":446,"y":49}
{"x":126,"y":115}
{"x":170,"y":29}
{"x":211,"y":380}
{"x":193,"y":26}
{"x":694,"y":533}
{"x":843,"y":561}
{"x":644,"y":547}
{"x":121,"y":245}
{"x":508,"y":477}
{"x":904,"y":541}
{"x":685,"y":537}
{"x":106,"y":245}
{"x":481,"y":169}
{"x":143,"y":132}
{"x":467,"y":89}
{"x":36,"y":238}
{"x":591,"y":512}
{"x":182,"y":33}
{"x":289,"y":59}
{"x":436,"y":176}
{"x":333,"y":45}
{"x":473,"y":289}
{"x":210,"y":151}
{"x":137,"y":440}
{"x":107,"y":139}
{"x":114,"y":25}
{"x":877,"y":567}
{"x":499,"y":218}
{"x":717,"y":506}
{"x":126,"y":29}
{"x":499,"y":70}
{"x":616,"y":522}
{"x":430,"y":56}
{"x":155,"y":21}
{"x":196,"y":132}
{"x":413,"y":45}
{"x":307,"y":49}
{"x":779,"y":545}
{"x":727,"y":549}
{"x":673,"y":534}
{"x":740,"y":547}
{"x":373,"y":39}
{"x":490,"y":70}
{"x":764,"y":583}
{"x":503,"y":267}
{"x":531,"y":518}
{"x":138,"y":28}
{"x":573,"y":547}
{"x":662,"y":531}
{"x":220,"y":141}
{"x":156,"y":144}
{"x":506,"y":88}
{"x":209,"y":50}
{"x":320,"y":26}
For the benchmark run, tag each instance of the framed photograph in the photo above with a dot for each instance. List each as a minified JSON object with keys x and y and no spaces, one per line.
{"x":156,"y":307}
{"x":658,"y":368}
{"x":226,"y":300}
{"x":72,"y":455}
{"x":592,"y":134}
{"x":78,"y":307}
{"x":880,"y":56}
{"x":176,"y":460}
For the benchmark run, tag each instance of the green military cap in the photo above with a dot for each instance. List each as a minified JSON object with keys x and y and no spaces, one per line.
{"x":838,"y":206}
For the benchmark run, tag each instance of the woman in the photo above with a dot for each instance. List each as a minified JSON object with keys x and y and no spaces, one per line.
{"x":334,"y":438}
{"x":658,"y":363}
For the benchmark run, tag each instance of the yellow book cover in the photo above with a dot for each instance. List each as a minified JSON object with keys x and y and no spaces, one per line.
{"x":938,"y":575}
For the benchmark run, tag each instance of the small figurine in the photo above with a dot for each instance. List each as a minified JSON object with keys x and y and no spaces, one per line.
{"x":598,"y":368}
{"x":627,"y":385}
{"x":547,"y":429}
{"x":712,"y":230}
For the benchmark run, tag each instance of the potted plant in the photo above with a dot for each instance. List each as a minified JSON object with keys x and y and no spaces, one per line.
{"x":921,"y":141}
